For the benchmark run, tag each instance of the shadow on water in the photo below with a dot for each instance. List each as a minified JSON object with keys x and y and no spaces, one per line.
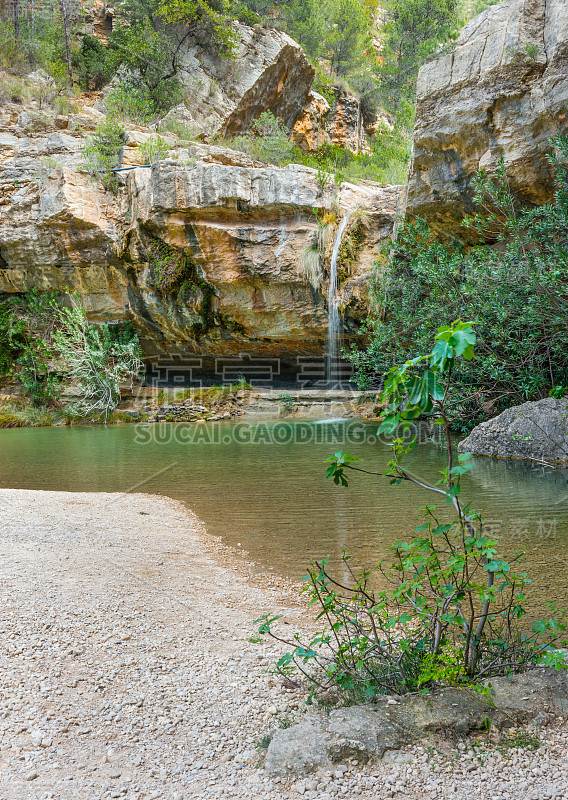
{"x":262,"y":485}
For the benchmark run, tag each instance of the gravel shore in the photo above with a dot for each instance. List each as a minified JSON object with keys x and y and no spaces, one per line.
{"x":127,"y":671}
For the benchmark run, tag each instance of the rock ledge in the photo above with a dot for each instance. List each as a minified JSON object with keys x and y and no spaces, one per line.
{"x":368,"y":732}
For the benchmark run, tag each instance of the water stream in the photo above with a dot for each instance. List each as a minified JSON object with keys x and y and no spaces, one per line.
{"x":332,"y":366}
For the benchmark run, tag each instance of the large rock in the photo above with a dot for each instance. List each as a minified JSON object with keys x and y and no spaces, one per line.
{"x":504,"y":90}
{"x":531,"y":431}
{"x":340,"y":123}
{"x":368,"y":732}
{"x":225,"y":95}
{"x":243,"y":225}
{"x":310,"y":131}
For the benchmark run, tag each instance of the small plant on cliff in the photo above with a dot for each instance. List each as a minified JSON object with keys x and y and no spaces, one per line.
{"x":268,"y":141}
{"x":154,"y":149}
{"x":95,"y":360}
{"x":102,"y":152}
{"x":453,"y":612}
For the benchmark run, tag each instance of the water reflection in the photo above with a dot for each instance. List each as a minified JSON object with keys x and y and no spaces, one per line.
{"x":263,"y":485}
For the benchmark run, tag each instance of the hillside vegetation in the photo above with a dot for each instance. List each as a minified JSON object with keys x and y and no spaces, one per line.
{"x":369,"y":49}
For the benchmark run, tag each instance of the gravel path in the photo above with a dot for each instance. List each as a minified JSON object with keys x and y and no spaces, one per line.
{"x":126,"y":669}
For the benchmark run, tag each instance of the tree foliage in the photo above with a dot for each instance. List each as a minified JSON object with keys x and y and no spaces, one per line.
{"x":337,"y":30}
{"x":92,"y":64}
{"x":414,"y":30}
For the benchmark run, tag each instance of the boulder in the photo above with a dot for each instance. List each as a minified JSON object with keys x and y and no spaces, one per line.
{"x":370,"y":732}
{"x":224,"y":96}
{"x":503,"y":91}
{"x":536,"y":431}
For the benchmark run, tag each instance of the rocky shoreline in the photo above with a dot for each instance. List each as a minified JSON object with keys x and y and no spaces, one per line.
{"x":131,"y":670}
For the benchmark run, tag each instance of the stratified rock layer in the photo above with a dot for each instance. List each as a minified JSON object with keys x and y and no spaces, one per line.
{"x":503,"y":91}
{"x":532,"y":431}
{"x":243,"y":226}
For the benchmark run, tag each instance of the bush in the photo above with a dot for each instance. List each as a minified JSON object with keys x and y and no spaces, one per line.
{"x":146,"y":61}
{"x":268,"y":142}
{"x":181,"y":130}
{"x":95,"y":361}
{"x":26,"y":328}
{"x":92,"y":64}
{"x":154,"y":149}
{"x":515,"y":285}
{"x":453,"y":612}
{"x":18,"y":413}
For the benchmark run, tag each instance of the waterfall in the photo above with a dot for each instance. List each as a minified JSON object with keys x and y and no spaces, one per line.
{"x":333,"y":325}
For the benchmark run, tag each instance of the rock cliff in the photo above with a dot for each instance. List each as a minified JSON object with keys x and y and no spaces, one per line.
{"x":503,"y":91}
{"x":234,"y":230}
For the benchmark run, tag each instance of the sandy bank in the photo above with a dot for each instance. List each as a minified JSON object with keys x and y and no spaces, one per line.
{"x":126,"y":670}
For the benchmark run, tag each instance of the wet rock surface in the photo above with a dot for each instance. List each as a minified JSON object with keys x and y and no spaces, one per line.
{"x":532,"y":431}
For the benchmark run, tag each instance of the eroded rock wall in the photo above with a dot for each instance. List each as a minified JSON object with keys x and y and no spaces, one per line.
{"x":243,"y":226}
{"x":503,"y":91}
{"x":225,"y":95}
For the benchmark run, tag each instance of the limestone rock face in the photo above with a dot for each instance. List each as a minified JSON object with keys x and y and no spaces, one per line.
{"x":237,"y":227}
{"x":310,"y":129}
{"x":531,"y":431}
{"x":504,"y":90}
{"x":225,"y":95}
{"x":346,"y":122}
{"x":341,"y":123}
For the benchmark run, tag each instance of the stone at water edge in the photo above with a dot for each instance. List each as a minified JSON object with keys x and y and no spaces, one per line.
{"x":536,"y":430}
{"x":368,"y":732}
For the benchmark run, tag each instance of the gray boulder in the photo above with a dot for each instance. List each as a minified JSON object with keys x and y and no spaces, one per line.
{"x":531,"y":431}
{"x":369,"y":732}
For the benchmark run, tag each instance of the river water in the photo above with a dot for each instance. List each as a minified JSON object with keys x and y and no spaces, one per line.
{"x":261,"y":486}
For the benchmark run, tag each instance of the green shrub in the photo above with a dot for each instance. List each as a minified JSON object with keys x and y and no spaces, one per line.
{"x":8,"y":419}
{"x":94,"y":361}
{"x":14,"y":90}
{"x":17,"y":412}
{"x":91,"y":62}
{"x":147,"y":61}
{"x":515,"y":286}
{"x":26,"y":327}
{"x":129,"y":102}
{"x":268,"y":141}
{"x":102,"y":153}
{"x":154,"y":149}
{"x":181,"y":130}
